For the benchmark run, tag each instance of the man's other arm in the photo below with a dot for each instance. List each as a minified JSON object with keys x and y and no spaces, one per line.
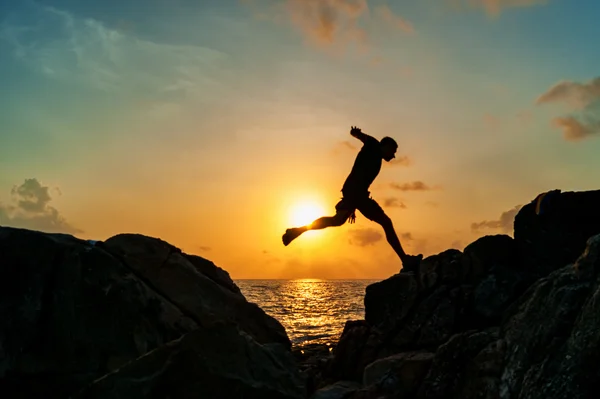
{"x":356,"y":132}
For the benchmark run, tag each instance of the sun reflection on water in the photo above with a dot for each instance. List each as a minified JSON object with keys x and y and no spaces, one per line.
{"x":311,"y":310}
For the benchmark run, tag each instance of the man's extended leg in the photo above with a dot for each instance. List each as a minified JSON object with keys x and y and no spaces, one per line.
{"x":326,"y":221}
{"x":372,"y":211}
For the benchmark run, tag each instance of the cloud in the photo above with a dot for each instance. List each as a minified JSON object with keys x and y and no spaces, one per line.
{"x":364,"y":237}
{"x":204,"y":248}
{"x":505,"y":223}
{"x":583,"y":99}
{"x":88,"y":52}
{"x":402,"y":160}
{"x":32,"y":210}
{"x":393,"y":202}
{"x":331,"y":23}
{"x":574,"y":129}
{"x":393,"y":20}
{"x":577,"y":95}
{"x":494,"y":7}
{"x":413,"y":186}
{"x":328,"y":22}
{"x":406,"y":236}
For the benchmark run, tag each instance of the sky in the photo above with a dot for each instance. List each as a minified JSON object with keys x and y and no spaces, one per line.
{"x":212,"y":124}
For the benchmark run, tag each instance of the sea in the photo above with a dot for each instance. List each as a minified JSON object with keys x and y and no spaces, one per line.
{"x":312,"y":311}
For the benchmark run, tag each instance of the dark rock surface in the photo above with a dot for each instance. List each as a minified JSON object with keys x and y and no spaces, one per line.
{"x":505,"y":318}
{"x":72,"y":311}
{"x":216,"y":361}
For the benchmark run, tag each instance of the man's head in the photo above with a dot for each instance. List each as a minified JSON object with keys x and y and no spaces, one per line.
{"x":388,"y":148}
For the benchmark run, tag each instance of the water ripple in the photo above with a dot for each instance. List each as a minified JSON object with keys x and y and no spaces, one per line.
{"x":312,"y":311}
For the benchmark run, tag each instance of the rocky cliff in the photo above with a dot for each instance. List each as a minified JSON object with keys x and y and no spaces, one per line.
{"x":505,"y":318}
{"x":164,"y":322}
{"x":134,"y":317}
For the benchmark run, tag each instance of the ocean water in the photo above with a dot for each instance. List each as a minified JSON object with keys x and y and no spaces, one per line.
{"x":311,"y":310}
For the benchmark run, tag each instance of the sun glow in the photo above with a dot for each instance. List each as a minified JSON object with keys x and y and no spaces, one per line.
{"x":305,"y":213}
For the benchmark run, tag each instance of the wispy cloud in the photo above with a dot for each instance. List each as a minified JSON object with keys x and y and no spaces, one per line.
{"x":393,"y":202}
{"x":413,"y":186}
{"x":495,"y":7}
{"x":583,"y":100}
{"x":406,"y":236}
{"x":402,"y":160}
{"x":331,"y":24}
{"x":504,"y":223}
{"x":31,"y":210}
{"x":110,"y":60}
{"x":393,"y":20}
{"x":364,"y":237}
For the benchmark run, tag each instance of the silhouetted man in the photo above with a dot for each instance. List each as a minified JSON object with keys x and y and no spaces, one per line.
{"x":356,"y":195}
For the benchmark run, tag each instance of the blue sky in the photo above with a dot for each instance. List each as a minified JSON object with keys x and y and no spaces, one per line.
{"x":170,"y":118}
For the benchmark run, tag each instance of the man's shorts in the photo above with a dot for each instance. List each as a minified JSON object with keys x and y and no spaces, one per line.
{"x":365,"y":204}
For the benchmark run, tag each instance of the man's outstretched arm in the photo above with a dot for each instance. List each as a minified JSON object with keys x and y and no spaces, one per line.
{"x":356,"y":132}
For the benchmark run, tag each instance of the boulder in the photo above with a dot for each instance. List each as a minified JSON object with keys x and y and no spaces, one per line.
{"x":73,"y":310}
{"x":348,"y":356}
{"x":216,"y":361}
{"x":447,"y":267}
{"x":387,"y":302}
{"x":400,"y":374}
{"x":552,"y":340}
{"x":204,"y":297}
{"x":498,"y":276}
{"x":449,"y":370}
{"x":556,"y":237}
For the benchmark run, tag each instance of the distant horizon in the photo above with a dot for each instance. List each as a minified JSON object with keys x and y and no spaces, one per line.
{"x":217,"y":125}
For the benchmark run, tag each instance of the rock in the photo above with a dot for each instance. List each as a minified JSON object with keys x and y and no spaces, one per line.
{"x":449,"y":371}
{"x":387,"y":302}
{"x":491,"y":252}
{"x":552,"y":336}
{"x":557,"y":237}
{"x":72,"y":311}
{"x":164,"y":268}
{"x":339,"y":390}
{"x":494,"y":294}
{"x":499,"y":278}
{"x":432,"y":321}
{"x":444,"y":268}
{"x":217,"y":361}
{"x":348,"y":356}
{"x":400,"y":374}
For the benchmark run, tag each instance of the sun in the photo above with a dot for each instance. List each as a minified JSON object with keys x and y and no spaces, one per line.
{"x":305,"y":212}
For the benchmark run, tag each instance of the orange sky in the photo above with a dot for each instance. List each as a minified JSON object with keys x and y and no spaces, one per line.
{"x":207,"y":124}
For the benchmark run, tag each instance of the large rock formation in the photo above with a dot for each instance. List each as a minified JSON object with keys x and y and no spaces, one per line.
{"x":72,"y":311}
{"x":505,"y":318}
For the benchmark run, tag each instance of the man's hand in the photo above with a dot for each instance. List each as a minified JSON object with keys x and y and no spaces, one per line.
{"x":355,"y":131}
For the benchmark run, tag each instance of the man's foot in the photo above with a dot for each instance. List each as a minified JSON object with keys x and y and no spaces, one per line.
{"x":291,"y":234}
{"x":411,"y":263}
